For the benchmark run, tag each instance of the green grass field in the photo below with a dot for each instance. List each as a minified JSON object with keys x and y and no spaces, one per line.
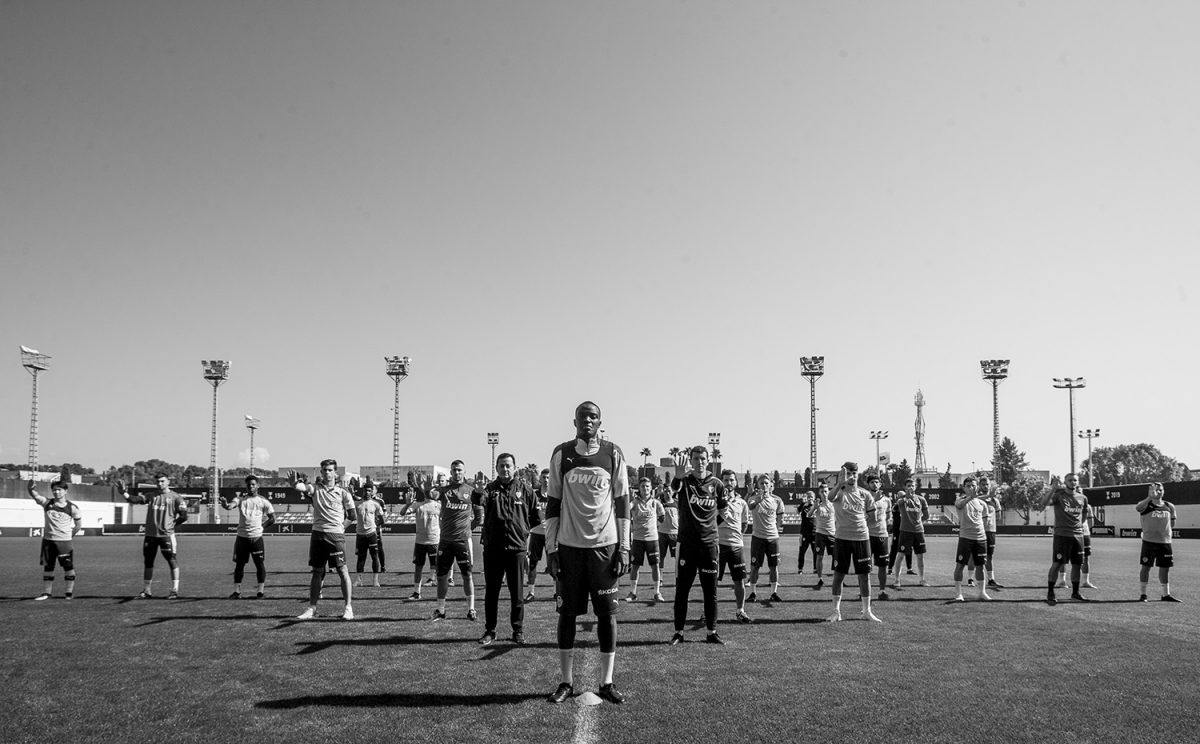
{"x":207,"y":669}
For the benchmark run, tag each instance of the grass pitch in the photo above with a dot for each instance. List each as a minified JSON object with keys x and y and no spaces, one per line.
{"x":105,"y":667}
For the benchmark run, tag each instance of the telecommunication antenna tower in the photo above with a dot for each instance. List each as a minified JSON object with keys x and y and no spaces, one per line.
{"x":919,"y":466}
{"x":34,"y":361}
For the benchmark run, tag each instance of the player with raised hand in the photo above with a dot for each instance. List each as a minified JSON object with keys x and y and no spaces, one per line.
{"x":731,"y":548}
{"x":460,"y":514}
{"x":767,"y":513}
{"x":165,"y":510}
{"x":878,"y":529}
{"x":852,"y":551}
{"x":587,"y":543}
{"x":427,"y":520}
{"x":254,"y":514}
{"x":1158,"y":520}
{"x":1071,"y":513}
{"x":332,"y":506}
{"x":645,"y":512}
{"x":508,"y":513}
{"x":824,"y":527}
{"x":701,"y":499}
{"x":368,"y":518}
{"x":63,"y":520}
{"x":972,"y":539}
{"x":914,"y":513}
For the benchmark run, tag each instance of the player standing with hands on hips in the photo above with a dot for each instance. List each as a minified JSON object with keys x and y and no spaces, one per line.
{"x":587,"y":543}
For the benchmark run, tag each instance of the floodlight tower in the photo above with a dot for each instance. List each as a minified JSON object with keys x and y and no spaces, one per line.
{"x":216,"y":372}
{"x":252,"y":424}
{"x":995,"y":370}
{"x":878,"y":436}
{"x":493,"y":438}
{"x":919,"y":465}
{"x":1070,"y":384}
{"x":812,"y":368}
{"x":714,"y":441}
{"x":34,"y":361}
{"x":1089,"y":435}
{"x":397,"y":369}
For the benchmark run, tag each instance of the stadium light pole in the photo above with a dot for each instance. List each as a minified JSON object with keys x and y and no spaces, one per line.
{"x":493,"y":438}
{"x":714,"y":441}
{"x":216,"y":372}
{"x":36,"y":362}
{"x":1089,"y":435}
{"x":995,"y":370}
{"x":812,"y":368}
{"x":252,"y":424}
{"x":878,"y":436}
{"x":397,"y":368}
{"x":1070,"y":384}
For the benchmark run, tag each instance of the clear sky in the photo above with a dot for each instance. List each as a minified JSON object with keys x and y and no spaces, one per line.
{"x":659,"y":206}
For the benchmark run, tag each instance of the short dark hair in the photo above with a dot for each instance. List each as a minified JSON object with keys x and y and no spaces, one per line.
{"x":251,"y":478}
{"x":872,"y":477}
{"x":644,"y":479}
{"x":579,"y":407}
{"x":59,"y":484}
{"x":696,"y":449}
{"x":910,"y":480}
{"x":545,"y":471}
{"x":329,"y":461}
{"x":850,"y":466}
{"x":969,"y":479}
{"x":458,"y":462}
{"x":161,"y":474}
{"x":509,"y":455}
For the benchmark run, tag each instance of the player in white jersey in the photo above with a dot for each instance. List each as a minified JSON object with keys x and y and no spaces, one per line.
{"x":766,"y":510}
{"x":587,"y":543}
{"x":427,"y":513}
{"x":852,"y":551}
{"x":63,"y":520}
{"x":368,"y":519}
{"x":1158,"y":522}
{"x":332,"y":505}
{"x":730,"y":546}
{"x":254,"y":513}
{"x":972,"y":538}
{"x":645,"y":512}
{"x":878,"y":529}
{"x":821,"y":513}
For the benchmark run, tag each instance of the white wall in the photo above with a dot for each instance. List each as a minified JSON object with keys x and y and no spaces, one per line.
{"x":26,"y":513}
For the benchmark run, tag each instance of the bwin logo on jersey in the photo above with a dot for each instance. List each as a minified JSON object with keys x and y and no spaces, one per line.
{"x":592,"y":480}
{"x":706,"y":503}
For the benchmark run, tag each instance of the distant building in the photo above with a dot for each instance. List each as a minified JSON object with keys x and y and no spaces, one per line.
{"x":383,"y":473}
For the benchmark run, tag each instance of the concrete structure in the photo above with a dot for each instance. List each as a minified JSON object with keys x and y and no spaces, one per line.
{"x":383,"y":473}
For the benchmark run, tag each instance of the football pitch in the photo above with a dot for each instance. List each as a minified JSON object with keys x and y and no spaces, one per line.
{"x":203,"y":668}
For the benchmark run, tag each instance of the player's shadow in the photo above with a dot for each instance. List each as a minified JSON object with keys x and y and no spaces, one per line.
{"x":221,"y":618}
{"x":290,"y":621}
{"x":399,"y":700}
{"x":313,"y":647}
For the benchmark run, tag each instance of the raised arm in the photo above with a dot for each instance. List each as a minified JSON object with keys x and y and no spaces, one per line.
{"x":33,"y":493}
{"x":132,"y":498}
{"x":1140,"y":507}
{"x":1045,"y":499}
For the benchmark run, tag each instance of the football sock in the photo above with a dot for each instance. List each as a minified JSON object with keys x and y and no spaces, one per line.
{"x":70,"y":585}
{"x":566,"y":665}
{"x":837,"y":603}
{"x":48,"y":587}
{"x":606,"y":667}
{"x":1143,"y":584}
{"x":1166,"y":588}
{"x":774,"y":587}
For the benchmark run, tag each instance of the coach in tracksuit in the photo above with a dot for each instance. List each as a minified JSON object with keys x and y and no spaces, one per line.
{"x":508,"y":514}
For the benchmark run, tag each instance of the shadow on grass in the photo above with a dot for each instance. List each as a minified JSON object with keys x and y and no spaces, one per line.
{"x":399,"y":700}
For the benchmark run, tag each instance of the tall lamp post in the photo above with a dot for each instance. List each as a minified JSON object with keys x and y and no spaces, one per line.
{"x":1089,"y":435}
{"x":878,"y":436}
{"x":34,"y":361}
{"x":714,"y":441}
{"x":1070,"y":384}
{"x":397,"y":369}
{"x":252,"y":425}
{"x":493,"y":438}
{"x":812,"y":368}
{"x":995,"y":370}
{"x":216,"y":372}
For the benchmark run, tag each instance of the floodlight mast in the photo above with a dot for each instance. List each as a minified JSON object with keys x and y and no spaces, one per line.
{"x":995,"y":370}
{"x":35,"y":362}
{"x":812,"y":368}
{"x":493,"y":438}
{"x":397,"y":368}
{"x":216,"y":372}
{"x":1070,"y":384}
{"x":878,"y":436}
{"x":1089,"y":435}
{"x":252,"y":424}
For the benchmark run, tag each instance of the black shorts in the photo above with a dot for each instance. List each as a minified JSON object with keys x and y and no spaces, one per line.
{"x":852,"y":556}
{"x":1068,"y":549}
{"x":587,"y":573}
{"x":327,"y":549}
{"x":644,"y":551}
{"x":703,"y":556}
{"x":244,"y":548}
{"x":159,"y":543}
{"x":667,"y":543}
{"x":764,"y":547}
{"x":421,"y":551}
{"x":914,"y":541}
{"x":364,"y":543}
{"x":823,"y":544}
{"x":731,"y":557}
{"x":537,"y":546}
{"x":1157,"y":554}
{"x":968,"y":549}
{"x":879,"y":550}
{"x":991,"y":544}
{"x":449,"y":553}
{"x":62,"y":552}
